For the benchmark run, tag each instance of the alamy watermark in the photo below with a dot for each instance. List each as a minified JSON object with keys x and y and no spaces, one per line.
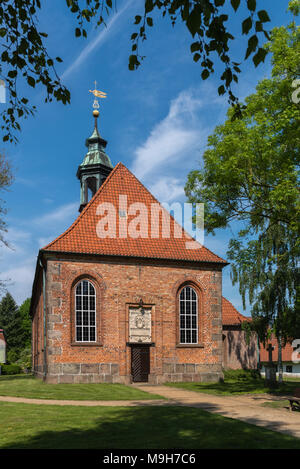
{"x":138,"y":220}
{"x":2,"y":92}
{"x":296,"y":93}
{"x":296,"y":352}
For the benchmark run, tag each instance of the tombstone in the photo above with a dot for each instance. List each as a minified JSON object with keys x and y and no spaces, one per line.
{"x":270,"y":378}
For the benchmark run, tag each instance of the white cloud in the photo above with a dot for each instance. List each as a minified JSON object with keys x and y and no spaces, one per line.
{"x":61,"y":214}
{"x":20,"y":279}
{"x":166,"y":189}
{"x":96,"y":42}
{"x":27,"y":236}
{"x":172,"y":138}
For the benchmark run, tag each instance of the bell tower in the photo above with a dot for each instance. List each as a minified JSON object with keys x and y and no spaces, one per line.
{"x":96,"y":165}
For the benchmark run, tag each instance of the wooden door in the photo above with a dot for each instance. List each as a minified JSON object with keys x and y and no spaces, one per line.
{"x":140,"y":363}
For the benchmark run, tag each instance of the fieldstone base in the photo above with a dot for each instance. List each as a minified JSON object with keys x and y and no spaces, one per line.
{"x":83,"y":373}
{"x":188,"y":372}
{"x":109,"y":373}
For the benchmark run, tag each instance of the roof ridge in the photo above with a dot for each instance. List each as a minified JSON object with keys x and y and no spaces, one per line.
{"x":75,"y":222}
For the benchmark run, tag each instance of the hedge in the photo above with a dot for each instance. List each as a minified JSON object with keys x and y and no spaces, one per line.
{"x":10,"y":369}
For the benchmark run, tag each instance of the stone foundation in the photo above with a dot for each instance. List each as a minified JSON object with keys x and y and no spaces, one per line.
{"x":109,"y":373}
{"x":83,"y":373}
{"x":188,"y":372}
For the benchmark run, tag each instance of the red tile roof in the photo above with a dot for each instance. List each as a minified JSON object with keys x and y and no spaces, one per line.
{"x":287,"y":351}
{"x":230,"y":315}
{"x":82,"y":237}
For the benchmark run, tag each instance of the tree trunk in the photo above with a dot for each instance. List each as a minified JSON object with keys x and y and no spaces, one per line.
{"x":280,"y":367}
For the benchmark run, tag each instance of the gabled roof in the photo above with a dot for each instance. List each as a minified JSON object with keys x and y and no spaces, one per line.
{"x":230,"y":315}
{"x":82,"y":237}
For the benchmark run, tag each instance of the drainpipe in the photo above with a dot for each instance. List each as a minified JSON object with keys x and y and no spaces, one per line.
{"x":44,"y":319}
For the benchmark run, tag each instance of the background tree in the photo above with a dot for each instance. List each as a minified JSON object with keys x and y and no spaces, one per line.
{"x":11,"y":323}
{"x":25,"y":323}
{"x":251,"y":176}
{"x":25,"y":57}
{"x":5,"y":182}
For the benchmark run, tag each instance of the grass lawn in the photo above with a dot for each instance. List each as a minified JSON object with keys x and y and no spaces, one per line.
{"x":236,"y":387}
{"x":31,"y":387}
{"x":27,"y":426}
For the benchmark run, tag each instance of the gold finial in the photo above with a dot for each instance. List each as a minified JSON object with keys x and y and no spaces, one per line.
{"x":97,"y":94}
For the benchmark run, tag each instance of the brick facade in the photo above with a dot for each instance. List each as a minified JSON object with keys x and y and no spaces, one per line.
{"x":237,"y":351}
{"x":119,"y":284}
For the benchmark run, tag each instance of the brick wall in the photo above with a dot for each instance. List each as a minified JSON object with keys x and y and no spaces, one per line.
{"x":120,"y":285}
{"x":237,"y":353}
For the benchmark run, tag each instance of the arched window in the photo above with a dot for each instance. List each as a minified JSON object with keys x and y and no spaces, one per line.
{"x":188,"y":316}
{"x":85,"y":311}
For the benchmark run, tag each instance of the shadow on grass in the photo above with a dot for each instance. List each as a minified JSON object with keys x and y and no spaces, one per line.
{"x":137,"y":428}
{"x":236,"y":387}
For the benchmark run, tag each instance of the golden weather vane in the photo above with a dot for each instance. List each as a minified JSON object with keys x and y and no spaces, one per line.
{"x":97,"y":94}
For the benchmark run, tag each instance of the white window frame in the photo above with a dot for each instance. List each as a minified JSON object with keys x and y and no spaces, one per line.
{"x":186,"y":316}
{"x":89,"y":311}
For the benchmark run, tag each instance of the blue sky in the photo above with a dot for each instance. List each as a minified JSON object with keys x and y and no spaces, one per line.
{"x":156,"y":121}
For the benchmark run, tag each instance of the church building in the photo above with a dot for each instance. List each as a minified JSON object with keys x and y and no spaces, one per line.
{"x":117,"y":298}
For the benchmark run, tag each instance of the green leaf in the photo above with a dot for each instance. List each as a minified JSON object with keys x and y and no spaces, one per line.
{"x":31,"y":81}
{"x":263,"y":16}
{"x":148,"y":6}
{"x":258,"y":26}
{"x":133,"y":62}
{"x":194,"y":20}
{"x":221,"y":90}
{"x":195,"y":46}
{"x":12,"y":73}
{"x":137,"y":19}
{"x":205,"y":74}
{"x":259,"y":56}
{"x":251,"y":4}
{"x":235,"y":4}
{"x":149,"y":21}
{"x":196,"y":57}
{"x":77,"y":32}
{"x":252,"y":45}
{"x":247,"y":25}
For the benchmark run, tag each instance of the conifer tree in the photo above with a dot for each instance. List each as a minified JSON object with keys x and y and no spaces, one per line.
{"x":11,"y":323}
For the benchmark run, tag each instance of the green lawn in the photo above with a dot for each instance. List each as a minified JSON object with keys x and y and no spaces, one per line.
{"x":284,"y":404}
{"x":236,"y":387}
{"x":30,"y":426}
{"x":30,"y":387}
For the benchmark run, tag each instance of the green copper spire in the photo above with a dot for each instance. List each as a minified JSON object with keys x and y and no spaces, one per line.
{"x":96,"y":148}
{"x":95,"y":167}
